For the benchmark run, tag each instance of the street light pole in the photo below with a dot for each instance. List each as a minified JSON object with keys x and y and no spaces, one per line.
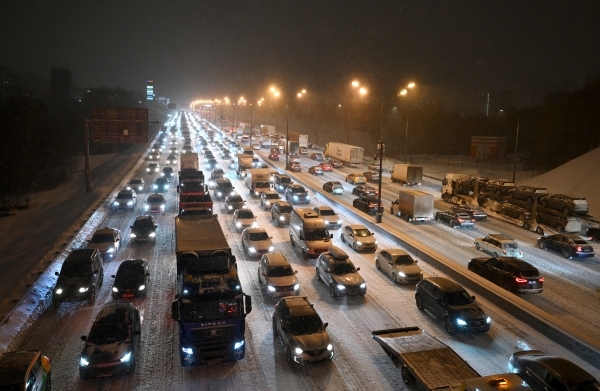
{"x":516,"y":145}
{"x":287,"y":136}
{"x":406,"y":140}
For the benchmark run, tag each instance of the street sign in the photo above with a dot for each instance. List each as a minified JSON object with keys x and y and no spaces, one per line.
{"x":119,"y":125}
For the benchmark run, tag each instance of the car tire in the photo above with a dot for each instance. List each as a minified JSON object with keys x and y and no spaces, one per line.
{"x":526,"y":225}
{"x":477,"y":246}
{"x":495,"y":254}
{"x":377,"y":265}
{"x":288,"y":355}
{"x":407,"y":377}
{"x":292,"y":241}
{"x":452,"y":224}
{"x":275,"y":331}
{"x":342,"y":238}
{"x":354,"y":246}
{"x":49,"y":381}
{"x":448,"y":326}
{"x":566,"y":253}
{"x":419,"y":302}
{"x":559,"y":228}
{"x":539,"y":230}
{"x":259,"y":280}
{"x":332,"y":291}
{"x":92,"y":298}
{"x":542,"y":245}
{"x":395,"y":278}
{"x":318,"y":275}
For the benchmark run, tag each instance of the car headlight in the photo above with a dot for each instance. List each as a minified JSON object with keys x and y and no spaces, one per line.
{"x":58,"y":291}
{"x":147,"y":170}
{"x":251,"y":249}
{"x":238,"y":345}
{"x":296,"y":287}
{"x":401,"y":274}
{"x":363,"y":285}
{"x":83,"y":362}
{"x":358,"y":243}
{"x":115,"y":289}
{"x":307,"y":198}
{"x":146,"y":207}
{"x":376,"y":242}
{"x":142,"y":287}
{"x":271,"y":248}
{"x":341,"y":287}
{"x":116,"y":203}
{"x":111,"y":250}
{"x":126,"y":357}
{"x":132,"y":235}
{"x":296,"y":198}
{"x":229,"y":207}
{"x":162,"y":207}
{"x":461,"y":322}
{"x":298,"y":351}
{"x":140,"y":188}
{"x":271,"y":288}
{"x":219,"y":194}
{"x":238,"y":224}
{"x":152,"y":234}
{"x":488,"y":320}
{"x":330,"y":347}
{"x":166,"y":187}
{"x":255,"y":225}
{"x":281,"y":218}
{"x":162,"y":174}
{"x":155,"y":186}
{"x":83,"y":289}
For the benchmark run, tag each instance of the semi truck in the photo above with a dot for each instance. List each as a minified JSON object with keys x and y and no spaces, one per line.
{"x":188,"y":160}
{"x":413,"y":205}
{"x":428,"y":364}
{"x":210,"y":305}
{"x":267,"y":130}
{"x":407,"y":174}
{"x":348,"y":154}
{"x":244,"y":128}
{"x":258,"y":180}
{"x":293,"y":148}
{"x":193,"y":193}
{"x":243,"y":162}
{"x":303,"y":141}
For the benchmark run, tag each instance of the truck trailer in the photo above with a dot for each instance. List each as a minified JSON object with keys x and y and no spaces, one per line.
{"x":210,"y":305}
{"x":188,"y":160}
{"x":407,"y":174}
{"x":427,"y":364}
{"x":348,"y":154}
{"x":267,"y":130}
{"x":413,"y":205}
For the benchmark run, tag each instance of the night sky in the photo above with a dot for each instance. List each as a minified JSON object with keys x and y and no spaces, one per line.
{"x":455,"y":50}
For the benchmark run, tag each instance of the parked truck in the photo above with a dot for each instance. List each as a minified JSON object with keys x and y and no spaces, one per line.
{"x":188,"y":160}
{"x":348,"y":154}
{"x":258,"y":180}
{"x":243,"y":162}
{"x":427,"y":364}
{"x":413,"y":205}
{"x":267,"y":130}
{"x":210,"y":305}
{"x":407,"y":174}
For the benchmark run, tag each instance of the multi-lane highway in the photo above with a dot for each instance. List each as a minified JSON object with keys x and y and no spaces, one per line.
{"x":359,"y":362}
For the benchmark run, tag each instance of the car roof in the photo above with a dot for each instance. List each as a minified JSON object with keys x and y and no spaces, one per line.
{"x":445,"y":284}
{"x":277,"y":259}
{"x":395,"y":252}
{"x":83,"y":254}
{"x":323,"y":207}
{"x":502,"y":237}
{"x":521,"y":264}
{"x":282,"y":203}
{"x":114,"y":312}
{"x":568,"y":371}
{"x":105,"y":231}
{"x":255,"y":230}
{"x":142,"y":262}
{"x":13,"y":366}
{"x":126,"y":191}
{"x":298,"y":305}
{"x":144,"y":217}
{"x":357,"y":226}
{"x":270,"y":191}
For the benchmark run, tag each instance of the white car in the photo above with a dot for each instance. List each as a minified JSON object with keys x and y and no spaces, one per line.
{"x":257,"y":242}
{"x":331,"y":218}
{"x":255,"y":146}
{"x":107,"y":241}
{"x":399,"y":265}
{"x":358,"y":237}
{"x":499,"y":245}
{"x":136,"y":184}
{"x":244,"y":218}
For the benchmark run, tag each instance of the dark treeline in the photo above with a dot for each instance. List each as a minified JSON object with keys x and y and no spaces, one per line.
{"x":43,"y":141}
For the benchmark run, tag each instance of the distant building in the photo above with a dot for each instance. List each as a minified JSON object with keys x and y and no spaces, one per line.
{"x":497,"y":100}
{"x":150,"y":90}
{"x":60,"y":84}
{"x":488,"y":147}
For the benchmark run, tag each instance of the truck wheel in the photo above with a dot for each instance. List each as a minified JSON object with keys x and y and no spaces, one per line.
{"x":566,"y":253}
{"x":542,"y":245}
{"x":539,"y":230}
{"x":288,"y":355}
{"x":419,"y":302}
{"x":452,"y":224}
{"x":526,"y":225}
{"x":449,"y":326}
{"x":406,"y":377}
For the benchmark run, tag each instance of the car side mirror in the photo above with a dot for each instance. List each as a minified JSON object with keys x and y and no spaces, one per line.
{"x":155,"y":226}
{"x":416,"y":261}
{"x":473,"y":297}
{"x":56,"y":273}
{"x":331,"y":236}
{"x":147,"y":274}
{"x":264,"y":274}
{"x":325,"y":325}
{"x":117,"y":240}
{"x":84,"y":337}
{"x":372,"y":233}
{"x":89,"y":241}
{"x":295,"y":271}
{"x":113,"y":276}
{"x":358,"y":268}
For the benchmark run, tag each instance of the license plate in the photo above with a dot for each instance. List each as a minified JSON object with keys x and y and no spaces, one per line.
{"x":128,"y":295}
{"x":532,"y":282}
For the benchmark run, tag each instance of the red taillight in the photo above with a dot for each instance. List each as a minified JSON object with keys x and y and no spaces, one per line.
{"x":541,"y":279}
{"x":461,"y":221}
{"x":520,"y":280}
{"x":579,"y":248}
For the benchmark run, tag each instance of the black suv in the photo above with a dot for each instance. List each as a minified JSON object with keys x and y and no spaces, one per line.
{"x":281,"y":182}
{"x":296,"y":194}
{"x":570,"y":246}
{"x":112,"y":346}
{"x":557,"y":220}
{"x":512,"y":274}
{"x":515,"y":211}
{"x":281,"y":212}
{"x":450,"y":302}
{"x":80,"y":277}
{"x":223,"y":188}
{"x":498,"y":186}
{"x":565,"y":203}
{"x":143,"y":228}
{"x":527,"y":193}
{"x":301,"y":331}
{"x":367,"y":204}
{"x":337,"y":271}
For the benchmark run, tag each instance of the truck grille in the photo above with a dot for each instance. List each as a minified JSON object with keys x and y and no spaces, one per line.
{"x":213,"y":343}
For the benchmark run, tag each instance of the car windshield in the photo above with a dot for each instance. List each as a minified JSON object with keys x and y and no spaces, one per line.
{"x":458,"y":298}
{"x":204,"y":308}
{"x":271,"y":196}
{"x":245,"y":214}
{"x":512,"y":246}
{"x":529,"y":273}
{"x":129,"y":270}
{"x":337,"y":186}
{"x":280,"y":271}
{"x":307,"y":324}
{"x":225,"y":185}
{"x":362,"y":232}
{"x":235,"y":198}
{"x":155,"y":199}
{"x":286,"y":209}
{"x":124,"y":196}
{"x":327,"y":212}
{"x":298,"y":190}
{"x":578,"y":241}
{"x":256,"y":236}
{"x":342,"y":268}
{"x":404,"y":260}
{"x":102,"y":334}
{"x":284,"y":179}
{"x":75,"y":269}
{"x":316,"y":234}
{"x":102,"y":238}
{"x":162,"y":181}
{"x":135,"y":182}
{"x":143,"y":224}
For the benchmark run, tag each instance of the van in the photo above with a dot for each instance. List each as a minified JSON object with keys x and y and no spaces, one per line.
{"x":309,"y":232}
